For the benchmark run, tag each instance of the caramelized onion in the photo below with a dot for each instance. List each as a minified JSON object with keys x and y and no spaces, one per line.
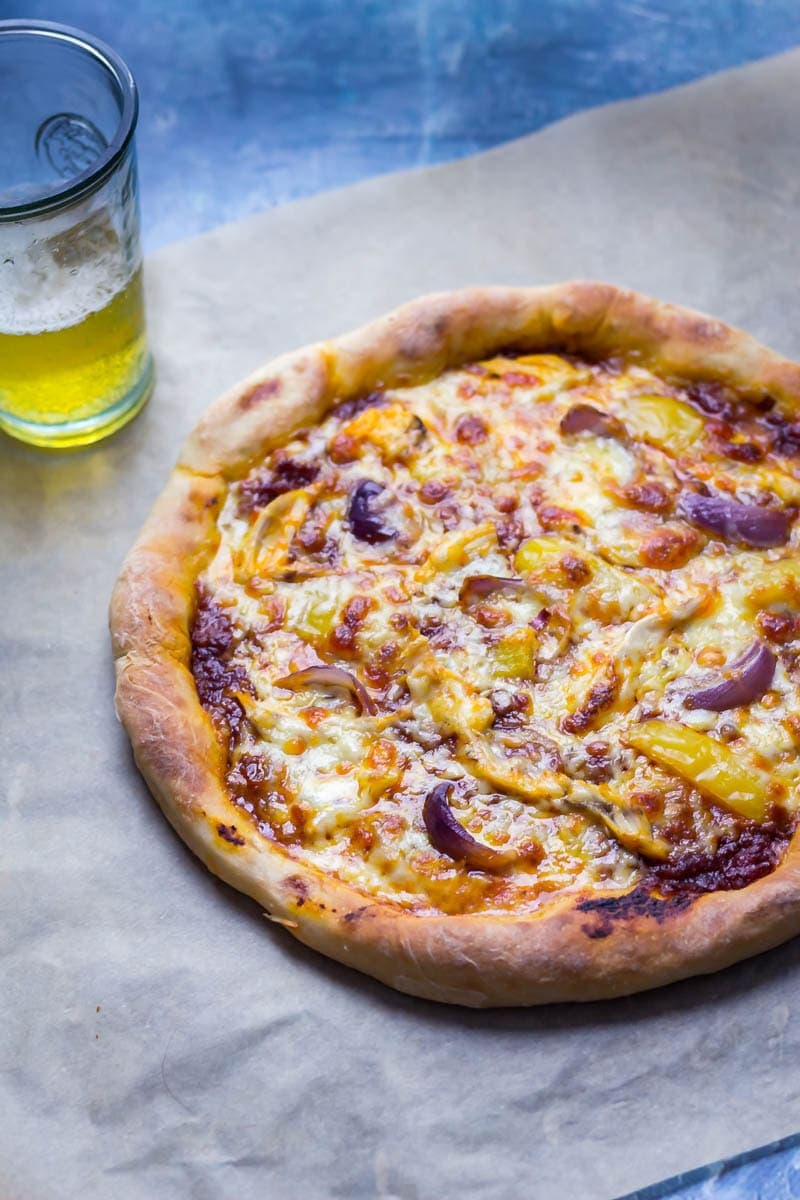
{"x":329,"y":677}
{"x":449,"y":836}
{"x":364,"y":522}
{"x":583,"y":418}
{"x":748,"y":524}
{"x":478,"y":587}
{"x":750,"y":676}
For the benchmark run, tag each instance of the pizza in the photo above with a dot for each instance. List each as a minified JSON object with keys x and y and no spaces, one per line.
{"x":468,"y":645}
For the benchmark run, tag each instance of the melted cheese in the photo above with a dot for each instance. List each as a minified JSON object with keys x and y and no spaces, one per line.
{"x":550,"y":677}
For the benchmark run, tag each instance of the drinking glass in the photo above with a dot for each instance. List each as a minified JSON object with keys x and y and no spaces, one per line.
{"x":74,"y":364}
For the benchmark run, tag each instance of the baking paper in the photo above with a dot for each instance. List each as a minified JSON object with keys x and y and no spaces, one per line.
{"x":161,"y":1039}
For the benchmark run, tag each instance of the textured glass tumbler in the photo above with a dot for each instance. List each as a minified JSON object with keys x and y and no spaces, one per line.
{"x":74,"y":365}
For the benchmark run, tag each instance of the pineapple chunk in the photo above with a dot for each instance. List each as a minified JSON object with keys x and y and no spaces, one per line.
{"x":664,"y":422}
{"x":394,"y":431}
{"x":458,"y":548}
{"x":514,"y":656}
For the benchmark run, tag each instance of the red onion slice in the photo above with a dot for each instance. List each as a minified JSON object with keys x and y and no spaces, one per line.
{"x":365,"y":523}
{"x":750,"y":676}
{"x":478,"y":587}
{"x":745,"y":523}
{"x":329,"y":677}
{"x":583,"y":418}
{"x":449,"y":836}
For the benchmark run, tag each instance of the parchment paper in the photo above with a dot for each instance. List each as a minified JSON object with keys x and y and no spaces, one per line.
{"x":160,"y":1039}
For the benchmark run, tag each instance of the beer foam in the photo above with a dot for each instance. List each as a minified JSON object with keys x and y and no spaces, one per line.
{"x":54,"y":275}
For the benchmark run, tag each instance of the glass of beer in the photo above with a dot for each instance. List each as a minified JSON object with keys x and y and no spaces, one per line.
{"x":74,"y":364}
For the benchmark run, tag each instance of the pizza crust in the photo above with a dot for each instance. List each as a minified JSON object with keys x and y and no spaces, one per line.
{"x":581,"y":946}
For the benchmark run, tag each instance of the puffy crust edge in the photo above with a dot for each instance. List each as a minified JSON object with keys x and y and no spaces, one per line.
{"x":563,"y":952}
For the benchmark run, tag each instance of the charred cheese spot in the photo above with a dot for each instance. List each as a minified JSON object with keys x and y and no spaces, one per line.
{"x":497,"y":562}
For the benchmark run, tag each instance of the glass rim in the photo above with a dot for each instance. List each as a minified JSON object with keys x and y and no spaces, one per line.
{"x":90,"y":179}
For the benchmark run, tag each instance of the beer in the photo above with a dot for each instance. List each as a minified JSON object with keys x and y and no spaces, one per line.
{"x":74,"y":365}
{"x":53,"y":381}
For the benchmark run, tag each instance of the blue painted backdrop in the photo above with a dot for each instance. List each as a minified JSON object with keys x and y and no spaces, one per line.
{"x":247,"y":103}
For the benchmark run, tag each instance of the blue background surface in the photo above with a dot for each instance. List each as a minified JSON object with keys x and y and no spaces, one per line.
{"x":249,"y":103}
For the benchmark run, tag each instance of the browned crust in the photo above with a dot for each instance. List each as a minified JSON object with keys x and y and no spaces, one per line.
{"x":565,"y":952}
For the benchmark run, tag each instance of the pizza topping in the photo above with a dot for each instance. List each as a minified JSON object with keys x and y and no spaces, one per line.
{"x":329,"y":677}
{"x":343,"y":636}
{"x":714,"y":769}
{"x":575,"y":569}
{"x":514,"y":776}
{"x":255,"y":784}
{"x":471,"y":430}
{"x":287,"y":475}
{"x":351,"y":408}
{"x":748,"y":524}
{"x":509,"y":534}
{"x":665,"y":422}
{"x":265,"y":546}
{"x":219,"y":682}
{"x":433,"y":490}
{"x":785,"y":434}
{"x":601,"y":695}
{"x":737,"y":861}
{"x":477,"y":587}
{"x":777,"y":626}
{"x":747,"y":452}
{"x":713,"y":398}
{"x":646,"y":494}
{"x":365,"y":522}
{"x":391,"y":432}
{"x":669,"y":547}
{"x":552,"y":516}
{"x":449,"y":836}
{"x":584,"y":418}
{"x":529,"y":627}
{"x":745,"y":680}
{"x":596,"y":766}
{"x":509,"y":707}
{"x":629,"y":825}
{"x":550,"y":787}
